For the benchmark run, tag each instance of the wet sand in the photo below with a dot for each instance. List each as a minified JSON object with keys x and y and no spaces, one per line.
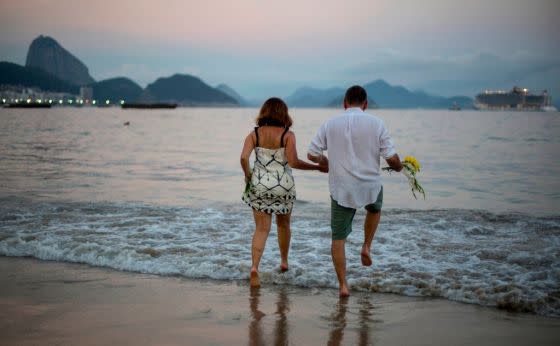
{"x":52,"y":303}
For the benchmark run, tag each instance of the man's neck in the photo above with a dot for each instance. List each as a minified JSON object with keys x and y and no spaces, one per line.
{"x":355,"y":107}
{"x":362,"y":106}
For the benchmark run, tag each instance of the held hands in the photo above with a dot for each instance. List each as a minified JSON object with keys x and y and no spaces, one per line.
{"x":323,"y":164}
{"x":321,"y":160}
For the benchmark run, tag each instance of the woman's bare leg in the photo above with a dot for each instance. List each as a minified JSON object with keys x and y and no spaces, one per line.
{"x":262,"y":228}
{"x":284,"y":236}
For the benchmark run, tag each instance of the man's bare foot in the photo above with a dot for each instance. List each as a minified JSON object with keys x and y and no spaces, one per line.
{"x":343,"y":291}
{"x":284,"y":267}
{"x":254,"y":279}
{"x":366,"y":259}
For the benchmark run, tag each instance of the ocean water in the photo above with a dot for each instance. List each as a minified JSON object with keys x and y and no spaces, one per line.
{"x":163,"y":196}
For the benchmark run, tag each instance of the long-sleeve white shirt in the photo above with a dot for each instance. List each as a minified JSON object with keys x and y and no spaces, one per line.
{"x":355,"y":142}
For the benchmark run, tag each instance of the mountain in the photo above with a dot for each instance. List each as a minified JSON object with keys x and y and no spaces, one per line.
{"x":311,"y":97}
{"x":116,"y":89}
{"x":47,"y":54}
{"x":388,"y":96}
{"x":380,"y":94}
{"x":14,"y":74}
{"x":185,"y":90}
{"x":226,"y":89}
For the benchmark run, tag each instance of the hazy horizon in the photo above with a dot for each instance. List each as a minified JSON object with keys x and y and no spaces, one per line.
{"x":263,"y":48}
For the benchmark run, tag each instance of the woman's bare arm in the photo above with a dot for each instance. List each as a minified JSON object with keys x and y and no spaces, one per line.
{"x":294,"y":161}
{"x":248,"y":147}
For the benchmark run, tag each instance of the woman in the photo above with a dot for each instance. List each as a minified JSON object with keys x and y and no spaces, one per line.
{"x":270,"y":186}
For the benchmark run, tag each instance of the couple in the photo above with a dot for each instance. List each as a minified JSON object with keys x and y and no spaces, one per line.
{"x":355,"y":142}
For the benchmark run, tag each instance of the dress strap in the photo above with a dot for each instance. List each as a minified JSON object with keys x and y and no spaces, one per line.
{"x":257,"y":134}
{"x":282,"y":138}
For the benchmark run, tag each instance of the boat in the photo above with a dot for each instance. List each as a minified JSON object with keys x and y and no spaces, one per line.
{"x":549,"y":109}
{"x":149,"y":105}
{"x":516,"y":99}
{"x":28,"y":105}
{"x":455,"y":107}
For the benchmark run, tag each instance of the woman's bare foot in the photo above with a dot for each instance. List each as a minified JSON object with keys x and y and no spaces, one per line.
{"x":284,"y":267}
{"x":343,"y":291}
{"x":366,"y":259}
{"x":254,"y":280}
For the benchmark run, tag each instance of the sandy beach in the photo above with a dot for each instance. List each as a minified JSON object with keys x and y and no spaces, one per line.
{"x":52,"y":303}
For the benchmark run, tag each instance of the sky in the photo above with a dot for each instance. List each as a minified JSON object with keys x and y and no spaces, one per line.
{"x":264,"y":48}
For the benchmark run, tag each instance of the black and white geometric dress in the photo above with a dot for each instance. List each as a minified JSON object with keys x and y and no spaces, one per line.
{"x":272,"y":189}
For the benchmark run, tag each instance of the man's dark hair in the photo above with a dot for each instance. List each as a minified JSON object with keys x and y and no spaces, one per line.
{"x":355,"y":95}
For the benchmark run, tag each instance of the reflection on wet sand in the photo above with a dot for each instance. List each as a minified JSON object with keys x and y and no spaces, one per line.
{"x":365,"y":314}
{"x":281,"y":327}
{"x":339,"y":321}
{"x":255,"y":328}
{"x":360,"y":320}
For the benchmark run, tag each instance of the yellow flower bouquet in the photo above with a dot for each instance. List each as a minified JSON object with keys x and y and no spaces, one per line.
{"x":411,"y":166}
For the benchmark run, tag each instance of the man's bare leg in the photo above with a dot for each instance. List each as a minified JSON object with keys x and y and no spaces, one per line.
{"x":262,"y":228}
{"x":284,"y":236}
{"x":370,"y":227}
{"x":339,"y":261}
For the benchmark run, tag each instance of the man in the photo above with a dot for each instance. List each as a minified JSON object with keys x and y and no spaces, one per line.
{"x":355,"y":141}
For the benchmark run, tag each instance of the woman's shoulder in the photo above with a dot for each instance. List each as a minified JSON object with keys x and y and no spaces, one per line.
{"x":251,"y":136}
{"x":289,"y":135}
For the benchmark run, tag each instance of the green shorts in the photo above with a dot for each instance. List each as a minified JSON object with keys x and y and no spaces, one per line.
{"x":341,"y":217}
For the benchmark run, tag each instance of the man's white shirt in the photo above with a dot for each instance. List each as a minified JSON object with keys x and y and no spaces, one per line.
{"x":355,"y":142}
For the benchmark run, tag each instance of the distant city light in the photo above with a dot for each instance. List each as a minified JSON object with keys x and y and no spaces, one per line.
{"x":81,"y":102}
{"x":107,"y":102}
{"x":3,"y":100}
{"x":39,"y":101}
{"x":122,"y":102}
{"x":28,"y":100}
{"x":70,"y":101}
{"x":60,"y":101}
{"x":50,"y":101}
{"x":93,"y":102}
{"x":17,"y":100}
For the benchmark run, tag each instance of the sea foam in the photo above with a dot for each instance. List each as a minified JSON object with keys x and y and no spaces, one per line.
{"x":505,"y":260}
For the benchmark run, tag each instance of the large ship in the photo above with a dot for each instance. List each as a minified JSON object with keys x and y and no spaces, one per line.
{"x":516,"y":99}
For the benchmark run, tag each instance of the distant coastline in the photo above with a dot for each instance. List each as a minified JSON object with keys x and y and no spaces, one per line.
{"x":52,"y":75}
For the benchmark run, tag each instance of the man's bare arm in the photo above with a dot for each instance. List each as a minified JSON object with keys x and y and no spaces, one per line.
{"x":395,"y":163}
